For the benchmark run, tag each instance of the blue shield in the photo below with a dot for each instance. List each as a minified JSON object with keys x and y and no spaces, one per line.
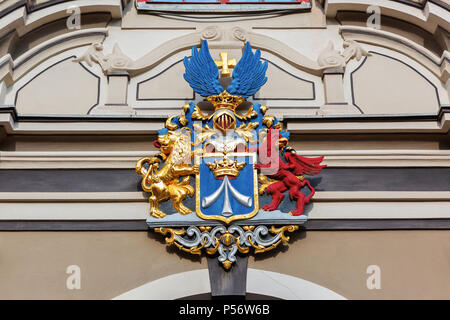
{"x":226,"y":197}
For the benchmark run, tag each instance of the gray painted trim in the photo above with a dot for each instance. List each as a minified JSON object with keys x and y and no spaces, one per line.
{"x":398,"y":41}
{"x":11,"y":110}
{"x":310,"y":225}
{"x":13,"y":7}
{"x":74,"y":225}
{"x":441,"y":4}
{"x":412,"y":3}
{"x":352,"y":84}
{"x":380,"y":117}
{"x":231,"y":282}
{"x":333,"y":71}
{"x":155,"y":118}
{"x":126,"y":180}
{"x":98,"y":87}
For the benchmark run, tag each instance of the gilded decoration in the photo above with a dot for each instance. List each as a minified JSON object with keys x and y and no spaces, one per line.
{"x":226,"y":173}
{"x":227,"y":241}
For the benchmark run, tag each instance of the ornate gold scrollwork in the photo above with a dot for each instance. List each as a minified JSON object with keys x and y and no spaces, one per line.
{"x":268,"y":120}
{"x":227,"y":241}
{"x":199,"y":115}
{"x":170,"y":240}
{"x":248,"y":115}
{"x":246,"y":131}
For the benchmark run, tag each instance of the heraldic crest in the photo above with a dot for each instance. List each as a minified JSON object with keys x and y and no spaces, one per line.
{"x":226,"y":181}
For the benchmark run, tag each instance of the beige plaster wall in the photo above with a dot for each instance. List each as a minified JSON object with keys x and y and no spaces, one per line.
{"x":414,"y":264}
{"x":298,"y":141}
{"x":33,"y":264}
{"x":167,"y":84}
{"x":383,"y":85}
{"x":281,"y":84}
{"x":64,"y":88}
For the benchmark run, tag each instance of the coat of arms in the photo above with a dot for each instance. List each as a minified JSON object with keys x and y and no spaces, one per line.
{"x":227,"y":180}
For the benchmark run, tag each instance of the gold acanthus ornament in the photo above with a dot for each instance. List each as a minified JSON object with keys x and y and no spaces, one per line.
{"x":164,"y":183}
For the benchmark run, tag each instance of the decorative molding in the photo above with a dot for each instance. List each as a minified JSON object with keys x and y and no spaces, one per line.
{"x":127,"y":159}
{"x":329,"y":59}
{"x":49,"y":67}
{"x":155,"y":76}
{"x":320,"y":196}
{"x":74,"y":125}
{"x":115,"y":62}
{"x":433,"y":15}
{"x":224,"y":38}
{"x":400,"y":61}
{"x":11,"y":71}
{"x":373,"y":123}
{"x":141,"y":225}
{"x":439,"y":66}
{"x":272,"y":284}
{"x":6,"y":69}
{"x":227,"y":241}
{"x":249,"y":8}
{"x":119,"y":124}
{"x":138,"y":210}
{"x":334,"y":59}
{"x":24,"y":20}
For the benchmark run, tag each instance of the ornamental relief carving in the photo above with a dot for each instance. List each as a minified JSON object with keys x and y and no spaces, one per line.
{"x":222,"y":38}
{"x":331,"y":57}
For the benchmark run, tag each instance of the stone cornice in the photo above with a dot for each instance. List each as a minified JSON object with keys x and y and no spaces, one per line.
{"x":18,"y":16}
{"x":432,"y":15}
{"x":73,"y":125}
{"x":127,"y":159}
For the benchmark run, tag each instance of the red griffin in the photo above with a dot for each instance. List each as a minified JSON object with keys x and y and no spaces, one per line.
{"x":285,"y":175}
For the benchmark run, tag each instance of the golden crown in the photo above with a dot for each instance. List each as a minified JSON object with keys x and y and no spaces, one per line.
{"x":226,"y":167}
{"x":225,"y":100}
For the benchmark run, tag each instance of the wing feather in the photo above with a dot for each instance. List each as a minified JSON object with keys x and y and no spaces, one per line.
{"x":249,"y":75}
{"x":201,"y":72}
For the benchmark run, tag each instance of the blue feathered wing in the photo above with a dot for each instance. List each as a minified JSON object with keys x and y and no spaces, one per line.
{"x":201,"y":72}
{"x":249,"y":74}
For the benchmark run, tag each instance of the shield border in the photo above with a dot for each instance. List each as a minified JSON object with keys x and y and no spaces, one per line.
{"x":198,"y":210}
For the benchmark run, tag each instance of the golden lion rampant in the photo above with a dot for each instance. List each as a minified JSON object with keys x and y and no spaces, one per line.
{"x":164,"y":184}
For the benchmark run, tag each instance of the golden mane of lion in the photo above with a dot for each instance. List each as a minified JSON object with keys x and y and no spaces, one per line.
{"x":163,"y":184}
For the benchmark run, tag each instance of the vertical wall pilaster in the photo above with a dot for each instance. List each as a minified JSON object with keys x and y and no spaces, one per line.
{"x":335,"y":100}
{"x":117,"y":88}
{"x":116,"y":101}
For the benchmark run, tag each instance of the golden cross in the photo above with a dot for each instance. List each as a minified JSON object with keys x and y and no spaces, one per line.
{"x":224,"y":64}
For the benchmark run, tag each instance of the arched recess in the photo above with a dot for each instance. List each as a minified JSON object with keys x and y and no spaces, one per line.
{"x":261,"y":282}
{"x":389,"y":82}
{"x":64,"y":87}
